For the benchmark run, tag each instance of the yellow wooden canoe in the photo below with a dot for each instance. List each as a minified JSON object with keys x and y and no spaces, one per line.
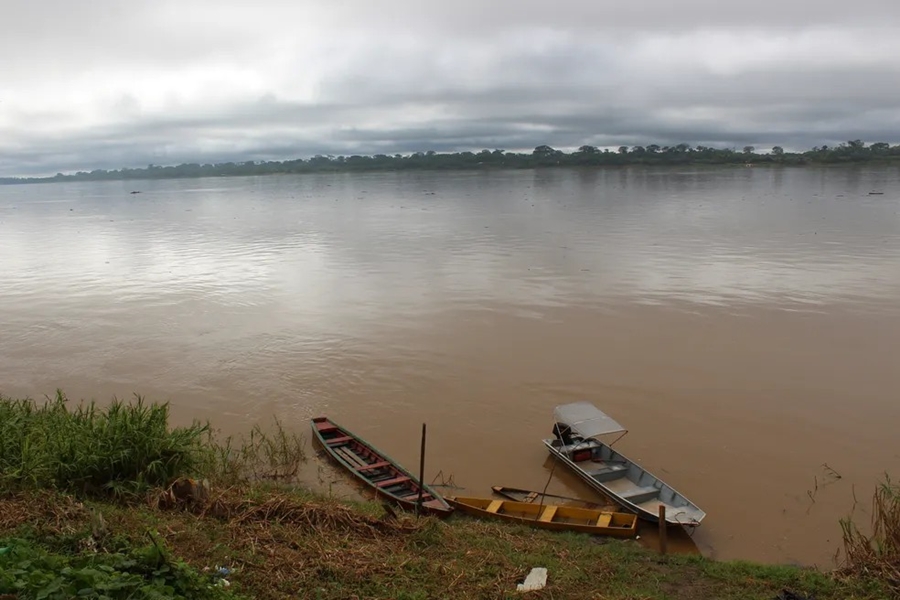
{"x":551,"y":516}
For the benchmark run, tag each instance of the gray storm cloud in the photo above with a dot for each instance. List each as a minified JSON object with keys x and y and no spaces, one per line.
{"x":109,"y":84}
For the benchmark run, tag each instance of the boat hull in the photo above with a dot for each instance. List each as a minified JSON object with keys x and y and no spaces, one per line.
{"x":631,"y":486}
{"x":375,"y":470}
{"x":551,"y":516}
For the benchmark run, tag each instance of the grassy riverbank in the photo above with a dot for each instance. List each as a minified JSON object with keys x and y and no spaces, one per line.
{"x":87,"y":509}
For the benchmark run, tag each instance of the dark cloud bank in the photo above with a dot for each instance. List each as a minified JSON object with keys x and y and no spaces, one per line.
{"x":128,"y":84}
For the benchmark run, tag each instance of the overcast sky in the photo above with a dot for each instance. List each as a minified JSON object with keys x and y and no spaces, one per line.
{"x":107,"y":83}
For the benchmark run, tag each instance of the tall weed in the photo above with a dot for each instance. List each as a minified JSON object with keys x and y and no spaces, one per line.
{"x":877,"y":553}
{"x":122,"y":449}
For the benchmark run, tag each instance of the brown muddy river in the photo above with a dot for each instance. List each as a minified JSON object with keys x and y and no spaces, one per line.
{"x":744,"y":324}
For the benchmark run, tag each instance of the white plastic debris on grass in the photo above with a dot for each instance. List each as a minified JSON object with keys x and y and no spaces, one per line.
{"x":536,"y":580}
{"x":219,"y":575}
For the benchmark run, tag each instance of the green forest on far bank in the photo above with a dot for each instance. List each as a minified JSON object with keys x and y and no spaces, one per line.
{"x":854,"y":151}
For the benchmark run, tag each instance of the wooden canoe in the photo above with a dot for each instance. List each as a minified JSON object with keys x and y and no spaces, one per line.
{"x":552,"y":516}
{"x":376,"y":470}
{"x":533,"y":497}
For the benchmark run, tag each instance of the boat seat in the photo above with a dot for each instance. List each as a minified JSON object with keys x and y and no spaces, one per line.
{"x":604,"y":520}
{"x":351,"y":457}
{"x":338,"y":440}
{"x":548,"y":514}
{"x":641,"y":494}
{"x":494,"y":506}
{"x":325,"y":427}
{"x":609,"y":472}
{"x":375,"y":465}
{"x":415,"y":496}
{"x":389,"y":482}
{"x":602,"y":465}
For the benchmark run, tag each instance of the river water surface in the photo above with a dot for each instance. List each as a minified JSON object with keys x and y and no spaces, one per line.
{"x":744,"y":324}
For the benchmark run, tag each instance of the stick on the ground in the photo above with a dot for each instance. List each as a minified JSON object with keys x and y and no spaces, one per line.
{"x":663,"y":542}
{"x":421,"y":473}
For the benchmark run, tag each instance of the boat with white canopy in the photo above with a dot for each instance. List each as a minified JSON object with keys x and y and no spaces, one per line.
{"x":578,"y":428}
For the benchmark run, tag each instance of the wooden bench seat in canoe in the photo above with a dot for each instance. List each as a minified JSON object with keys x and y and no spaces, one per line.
{"x":338,"y":440}
{"x":377,"y":465}
{"x":415,"y":496}
{"x":391,"y":482}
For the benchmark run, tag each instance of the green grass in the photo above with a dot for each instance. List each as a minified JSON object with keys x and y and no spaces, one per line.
{"x":127,"y":449}
{"x":29,"y":571}
{"x":120,"y":450}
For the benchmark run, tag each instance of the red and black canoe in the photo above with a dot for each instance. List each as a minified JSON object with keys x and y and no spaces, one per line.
{"x":376,"y":470}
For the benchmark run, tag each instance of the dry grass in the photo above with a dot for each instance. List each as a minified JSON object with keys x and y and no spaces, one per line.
{"x":282,"y":544}
{"x":52,"y":513}
{"x":237,"y":506}
{"x":878,"y":553}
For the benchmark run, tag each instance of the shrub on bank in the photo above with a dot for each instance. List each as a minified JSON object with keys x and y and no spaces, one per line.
{"x":127,"y":449}
{"x":122,"y":449}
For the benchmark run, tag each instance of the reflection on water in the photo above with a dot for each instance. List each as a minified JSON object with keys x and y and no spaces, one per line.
{"x":546,"y":238}
{"x":738,"y":320}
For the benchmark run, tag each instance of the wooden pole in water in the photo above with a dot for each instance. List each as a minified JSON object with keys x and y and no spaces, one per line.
{"x":663,"y":530}
{"x":421,"y":473}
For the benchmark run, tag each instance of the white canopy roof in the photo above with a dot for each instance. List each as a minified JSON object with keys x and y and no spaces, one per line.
{"x":586,"y":420}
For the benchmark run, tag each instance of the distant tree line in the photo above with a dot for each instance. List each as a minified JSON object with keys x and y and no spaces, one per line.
{"x":854,"y":151}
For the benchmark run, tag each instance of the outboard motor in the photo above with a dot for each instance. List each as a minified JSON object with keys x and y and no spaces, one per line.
{"x":563,"y":433}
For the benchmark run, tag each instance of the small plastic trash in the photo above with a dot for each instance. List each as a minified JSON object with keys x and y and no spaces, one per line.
{"x":536,"y":580}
